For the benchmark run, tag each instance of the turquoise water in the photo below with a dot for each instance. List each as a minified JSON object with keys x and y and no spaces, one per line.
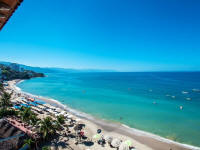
{"x":136,"y":99}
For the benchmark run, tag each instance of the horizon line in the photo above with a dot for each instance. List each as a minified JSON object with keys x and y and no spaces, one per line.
{"x":101,"y":70}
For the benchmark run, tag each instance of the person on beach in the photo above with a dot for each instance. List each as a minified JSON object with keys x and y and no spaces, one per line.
{"x":102,"y":141}
{"x":80,"y":136}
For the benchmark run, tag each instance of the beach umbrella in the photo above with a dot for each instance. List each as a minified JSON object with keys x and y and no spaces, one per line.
{"x":53,"y":108}
{"x":39,"y":102}
{"x":48,"y":105}
{"x":79,"y":126}
{"x":25,"y":105}
{"x":77,"y":120}
{"x":41,"y":107}
{"x":128,"y":142}
{"x":63,"y":112}
{"x":57,"y":115}
{"x":17,"y":107}
{"x":58,"y":110}
{"x":108,"y":138}
{"x":116,"y":142}
{"x":70,"y":116}
{"x":99,"y":131}
{"x":97,"y":136}
{"x":123,"y":146}
{"x":32,"y":103}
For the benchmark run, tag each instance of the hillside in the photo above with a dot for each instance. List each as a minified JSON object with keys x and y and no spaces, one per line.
{"x":53,"y":69}
{"x":14,"y":71}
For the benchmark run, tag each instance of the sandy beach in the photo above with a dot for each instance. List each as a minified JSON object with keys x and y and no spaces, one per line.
{"x":141,"y":140}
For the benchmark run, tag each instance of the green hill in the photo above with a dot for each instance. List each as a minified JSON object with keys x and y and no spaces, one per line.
{"x":14,"y":71}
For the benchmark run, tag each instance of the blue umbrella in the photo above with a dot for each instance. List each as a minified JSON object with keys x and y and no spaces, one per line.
{"x":33,"y":103}
{"x":39,"y":102}
{"x":17,"y":107}
{"x":25,"y":105}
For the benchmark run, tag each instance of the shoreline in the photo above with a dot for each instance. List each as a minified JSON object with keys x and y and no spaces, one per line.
{"x":143,"y":139}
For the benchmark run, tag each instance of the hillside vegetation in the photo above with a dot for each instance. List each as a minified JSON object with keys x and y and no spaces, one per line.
{"x":14,"y":71}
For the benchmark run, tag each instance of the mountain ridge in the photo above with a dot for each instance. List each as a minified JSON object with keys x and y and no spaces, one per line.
{"x":53,"y":69}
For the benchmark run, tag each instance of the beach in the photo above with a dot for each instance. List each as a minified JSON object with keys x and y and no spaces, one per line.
{"x":141,"y":140}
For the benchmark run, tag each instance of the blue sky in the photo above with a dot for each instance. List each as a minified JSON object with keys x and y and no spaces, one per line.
{"x":125,"y":35}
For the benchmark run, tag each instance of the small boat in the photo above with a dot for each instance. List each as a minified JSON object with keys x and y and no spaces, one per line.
{"x":181,"y":107}
{"x":184,"y":92}
{"x":196,"y":90}
{"x":188,"y":98}
{"x":173,"y":96}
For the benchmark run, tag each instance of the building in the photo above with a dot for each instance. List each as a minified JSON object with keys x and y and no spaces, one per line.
{"x":10,"y":136}
{"x":7,"y":8}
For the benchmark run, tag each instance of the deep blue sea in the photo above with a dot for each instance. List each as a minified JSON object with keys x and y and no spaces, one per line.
{"x":145,"y":101}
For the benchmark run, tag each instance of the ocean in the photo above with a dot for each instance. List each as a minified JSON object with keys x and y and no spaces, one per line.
{"x":163,"y":103}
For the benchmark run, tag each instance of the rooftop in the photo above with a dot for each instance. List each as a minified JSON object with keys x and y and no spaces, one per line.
{"x":7,"y":8}
{"x":8,"y":132}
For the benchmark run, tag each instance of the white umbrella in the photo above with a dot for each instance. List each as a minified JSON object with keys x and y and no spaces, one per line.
{"x":40,"y":106}
{"x":123,"y":146}
{"x":57,"y":115}
{"x":70,"y":116}
{"x":51,"y":111}
{"x":77,"y":120}
{"x":116,"y":142}
{"x":58,"y":110}
{"x":63,"y":112}
{"x":96,"y":137}
{"x":47,"y":105}
{"x":108,"y":138}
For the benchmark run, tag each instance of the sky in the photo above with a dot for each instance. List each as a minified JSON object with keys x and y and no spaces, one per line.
{"x":123,"y":35}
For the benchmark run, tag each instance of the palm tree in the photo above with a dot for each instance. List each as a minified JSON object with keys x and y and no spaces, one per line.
{"x":1,"y":87}
{"x":5,"y":100}
{"x":28,"y":116}
{"x":25,"y":114}
{"x":58,"y":124}
{"x":61,"y":119}
{"x":46,"y":127}
{"x":33,"y":119}
{"x":45,"y":148}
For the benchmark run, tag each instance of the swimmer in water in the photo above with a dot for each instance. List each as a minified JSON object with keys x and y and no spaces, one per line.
{"x":173,"y":96}
{"x":184,"y":92}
